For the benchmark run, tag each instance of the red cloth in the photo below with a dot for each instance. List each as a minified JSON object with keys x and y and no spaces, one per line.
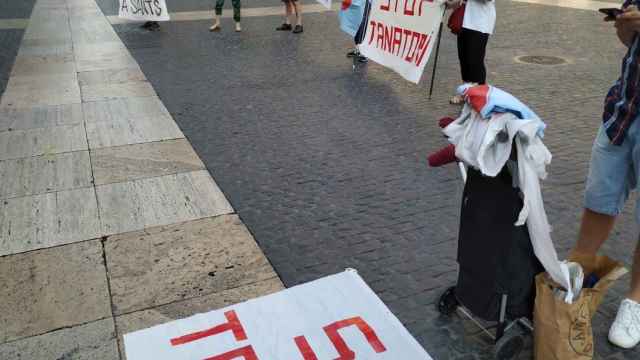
{"x":445,"y":121}
{"x":443,"y":156}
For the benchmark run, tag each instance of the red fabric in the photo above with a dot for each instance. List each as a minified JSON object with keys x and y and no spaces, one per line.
{"x":455,"y":20}
{"x":445,"y":121}
{"x":477,"y":96}
{"x":443,"y":156}
{"x":345,"y":4}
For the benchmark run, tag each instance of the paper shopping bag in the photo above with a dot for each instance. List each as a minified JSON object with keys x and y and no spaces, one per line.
{"x":563,"y":331}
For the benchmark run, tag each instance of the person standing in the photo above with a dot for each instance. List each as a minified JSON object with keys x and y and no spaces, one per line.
{"x":614,"y":171}
{"x":478,"y":24}
{"x":291,"y":7}
{"x":218,"y":14}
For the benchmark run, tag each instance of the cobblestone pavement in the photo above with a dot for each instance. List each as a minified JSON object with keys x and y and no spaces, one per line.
{"x":326,"y":165}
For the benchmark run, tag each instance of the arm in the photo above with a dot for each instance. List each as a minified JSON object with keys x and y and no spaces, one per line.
{"x":627,"y":25}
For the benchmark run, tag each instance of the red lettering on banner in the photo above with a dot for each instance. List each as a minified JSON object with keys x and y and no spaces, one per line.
{"x":245,"y":353}
{"x":232,"y":324}
{"x":397,"y":40}
{"x":388,"y":38}
{"x":424,"y":45}
{"x":406,"y":33}
{"x":305,"y":348}
{"x":409,"y":57}
{"x":341,"y":346}
{"x":409,"y":12}
{"x":385,"y":7}
{"x":380,"y":42}
{"x":373,"y":30}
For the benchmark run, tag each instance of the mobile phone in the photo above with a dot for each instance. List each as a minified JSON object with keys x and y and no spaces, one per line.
{"x":611,"y":12}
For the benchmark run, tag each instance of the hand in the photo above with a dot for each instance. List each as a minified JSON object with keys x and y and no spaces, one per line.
{"x":627,"y":24}
{"x":629,"y":19}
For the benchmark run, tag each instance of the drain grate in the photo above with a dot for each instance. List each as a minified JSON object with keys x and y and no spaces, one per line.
{"x":541,"y":60}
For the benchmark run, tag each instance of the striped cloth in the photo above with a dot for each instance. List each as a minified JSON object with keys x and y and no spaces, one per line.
{"x":623,"y":99}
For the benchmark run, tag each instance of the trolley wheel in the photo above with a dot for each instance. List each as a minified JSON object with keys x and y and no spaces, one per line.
{"x":509,"y":346}
{"x":448,"y":302}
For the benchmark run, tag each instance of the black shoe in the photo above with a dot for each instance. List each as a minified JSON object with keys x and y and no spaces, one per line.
{"x":353,"y":53}
{"x":362,"y":59}
{"x":146,"y":25}
{"x":284,"y":27}
{"x":298,"y":29}
{"x":154,"y":26}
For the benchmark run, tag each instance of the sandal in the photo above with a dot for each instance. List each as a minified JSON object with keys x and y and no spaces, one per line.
{"x":215,"y":27}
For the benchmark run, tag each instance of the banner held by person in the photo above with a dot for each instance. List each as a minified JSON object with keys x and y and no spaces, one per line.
{"x":143,"y":10}
{"x":401,"y":34}
{"x":338,"y":316}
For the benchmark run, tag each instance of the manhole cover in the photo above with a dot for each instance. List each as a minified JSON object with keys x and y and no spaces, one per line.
{"x":541,"y":60}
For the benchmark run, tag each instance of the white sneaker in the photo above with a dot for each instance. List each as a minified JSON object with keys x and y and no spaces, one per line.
{"x":625,"y":330}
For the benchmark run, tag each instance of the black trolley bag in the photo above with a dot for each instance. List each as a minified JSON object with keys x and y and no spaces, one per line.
{"x":497,"y":265}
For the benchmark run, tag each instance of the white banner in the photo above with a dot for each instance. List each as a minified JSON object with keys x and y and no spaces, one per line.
{"x":336,"y":317}
{"x":401,"y":34}
{"x":143,"y":10}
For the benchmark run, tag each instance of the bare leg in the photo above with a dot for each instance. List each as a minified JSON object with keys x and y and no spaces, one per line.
{"x":289,"y":11}
{"x":594,"y":231}
{"x":298,"y":9}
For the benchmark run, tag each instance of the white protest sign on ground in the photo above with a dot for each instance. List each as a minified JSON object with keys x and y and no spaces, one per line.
{"x":401,"y":34}
{"x":336,"y":317}
{"x":143,"y":10}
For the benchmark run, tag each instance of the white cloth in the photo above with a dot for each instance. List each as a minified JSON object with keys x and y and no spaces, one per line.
{"x":480,"y":15}
{"x":478,"y":144}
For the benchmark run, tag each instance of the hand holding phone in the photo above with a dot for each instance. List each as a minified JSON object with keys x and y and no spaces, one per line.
{"x":611,"y":13}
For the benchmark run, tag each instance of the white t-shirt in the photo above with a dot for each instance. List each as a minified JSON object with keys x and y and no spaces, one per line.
{"x":480,"y":15}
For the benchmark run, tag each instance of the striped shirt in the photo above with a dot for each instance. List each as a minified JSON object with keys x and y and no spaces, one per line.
{"x":623,"y":100}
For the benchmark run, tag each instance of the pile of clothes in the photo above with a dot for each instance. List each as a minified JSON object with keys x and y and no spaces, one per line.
{"x":493,"y":127}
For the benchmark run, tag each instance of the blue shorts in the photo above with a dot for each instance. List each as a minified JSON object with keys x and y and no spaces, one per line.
{"x":614,"y":172}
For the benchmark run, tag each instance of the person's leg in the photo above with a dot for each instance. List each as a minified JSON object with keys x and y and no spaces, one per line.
{"x":608,"y":186}
{"x":474,"y":53}
{"x":297,"y":6}
{"x":625,"y":330}
{"x":288,"y":9}
{"x":216,"y":18}
{"x":462,"y":47}
{"x":236,"y":14}
{"x":298,"y":9}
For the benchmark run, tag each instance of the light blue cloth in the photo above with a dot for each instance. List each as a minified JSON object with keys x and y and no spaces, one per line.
{"x":351,"y":17}
{"x":500,"y":101}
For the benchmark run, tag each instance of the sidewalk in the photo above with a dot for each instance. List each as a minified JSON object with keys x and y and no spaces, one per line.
{"x":109,"y":221}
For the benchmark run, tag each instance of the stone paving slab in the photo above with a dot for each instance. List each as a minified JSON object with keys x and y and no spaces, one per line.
{"x":53,"y":288}
{"x":114,"y":91}
{"x":30,"y":91}
{"x":42,"y":174}
{"x":145,"y":203}
{"x":162,"y":265}
{"x":182,"y":309}
{"x":93,"y":341}
{"x":131,"y":130}
{"x":40,"y":117}
{"x":47,"y":220}
{"x":110,"y":76}
{"x":133,"y":162}
{"x":42,"y":141}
